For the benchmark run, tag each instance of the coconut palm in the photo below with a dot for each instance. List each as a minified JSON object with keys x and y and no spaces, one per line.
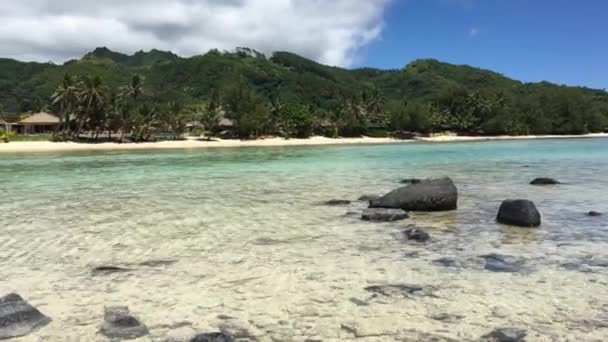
{"x":92,"y":98}
{"x":134,"y":90}
{"x":66,"y":96}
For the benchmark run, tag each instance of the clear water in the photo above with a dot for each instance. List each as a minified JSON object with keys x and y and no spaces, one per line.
{"x":252,"y":243}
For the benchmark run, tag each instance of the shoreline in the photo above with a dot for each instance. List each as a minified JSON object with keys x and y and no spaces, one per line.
{"x":48,"y":146}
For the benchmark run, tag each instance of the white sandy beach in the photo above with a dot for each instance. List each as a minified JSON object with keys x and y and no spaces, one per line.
{"x":48,"y":146}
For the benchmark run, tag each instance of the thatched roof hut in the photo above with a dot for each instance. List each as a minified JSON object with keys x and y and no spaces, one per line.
{"x":40,"y":119}
{"x":42,"y":122}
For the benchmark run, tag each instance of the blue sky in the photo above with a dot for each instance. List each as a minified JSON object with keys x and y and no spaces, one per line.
{"x":555,"y":40}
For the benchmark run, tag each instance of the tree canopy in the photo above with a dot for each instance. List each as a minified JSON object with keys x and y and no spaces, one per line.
{"x":290,"y":95}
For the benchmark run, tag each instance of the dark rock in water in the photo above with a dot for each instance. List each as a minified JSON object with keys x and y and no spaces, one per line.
{"x":545,"y":181}
{"x":410,"y":181}
{"x":444,"y":317}
{"x":352,"y":214}
{"x":522,"y":213}
{"x":397,"y":290}
{"x":575,"y":266}
{"x":383,"y":215}
{"x":502,"y":263}
{"x":157,"y":263}
{"x":337,"y":202}
{"x":119,"y":323}
{"x":212,"y":337}
{"x":358,"y":302}
{"x":446,"y":262}
{"x":505,"y":335}
{"x":107,"y":270}
{"x":18,"y":317}
{"x":428,"y":195}
{"x":594,"y":214}
{"x":417,"y":235}
{"x":367,"y":198}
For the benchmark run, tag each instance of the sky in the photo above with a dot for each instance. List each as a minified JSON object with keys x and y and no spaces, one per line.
{"x":562,"y":41}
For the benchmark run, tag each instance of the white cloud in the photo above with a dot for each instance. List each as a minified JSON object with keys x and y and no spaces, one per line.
{"x":328,"y":31}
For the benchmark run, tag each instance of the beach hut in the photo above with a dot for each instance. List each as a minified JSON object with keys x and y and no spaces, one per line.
{"x":4,"y":126}
{"x":38,"y":123}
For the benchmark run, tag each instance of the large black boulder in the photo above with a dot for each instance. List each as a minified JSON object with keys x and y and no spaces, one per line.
{"x":427,"y":195}
{"x":119,"y":323}
{"x":521,"y":213}
{"x":383,"y":215}
{"x":18,"y":317}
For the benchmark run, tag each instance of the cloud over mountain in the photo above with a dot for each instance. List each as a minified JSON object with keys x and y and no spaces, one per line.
{"x":328,"y":31}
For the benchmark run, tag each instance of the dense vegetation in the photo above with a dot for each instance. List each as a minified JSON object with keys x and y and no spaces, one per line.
{"x":289,"y":95}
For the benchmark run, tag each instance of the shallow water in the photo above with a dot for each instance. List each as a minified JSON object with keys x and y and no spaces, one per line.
{"x":251,"y":242}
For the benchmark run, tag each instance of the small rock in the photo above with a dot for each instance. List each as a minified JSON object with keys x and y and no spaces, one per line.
{"x":397,"y":290}
{"x":522,"y":213}
{"x":544,"y":181}
{"x":337,"y":202}
{"x":417,"y":235}
{"x":212,"y":337}
{"x":411,"y":181}
{"x":505,"y":335}
{"x":358,"y":302}
{"x":446,"y":262}
{"x":384,"y":215}
{"x":18,"y":317}
{"x":367,"y":198}
{"x":445,"y":317}
{"x":501,"y":263}
{"x":119,"y":323}
{"x":107,"y":270}
{"x":594,"y":214}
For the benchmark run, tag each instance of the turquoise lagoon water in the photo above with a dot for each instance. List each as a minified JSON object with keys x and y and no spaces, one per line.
{"x":253,"y":247}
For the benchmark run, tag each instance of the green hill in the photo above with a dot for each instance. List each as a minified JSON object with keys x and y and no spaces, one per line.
{"x":470,"y":99}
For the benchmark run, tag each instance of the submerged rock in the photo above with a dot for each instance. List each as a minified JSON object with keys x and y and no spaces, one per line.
{"x":522,"y":213}
{"x":337,"y":202}
{"x":107,"y":270}
{"x":398,"y":290}
{"x":428,"y":195}
{"x":417,"y":235}
{"x":383,"y":215}
{"x":446,"y":262}
{"x":594,"y":214}
{"x":367,"y":198}
{"x":505,"y":335}
{"x":18,"y":317}
{"x":545,"y":181}
{"x":502,"y":263}
{"x":212,"y":337}
{"x":119,"y":323}
{"x":410,"y":181}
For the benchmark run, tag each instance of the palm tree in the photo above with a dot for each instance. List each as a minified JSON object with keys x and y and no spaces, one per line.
{"x":66,"y":96}
{"x":145,"y":121}
{"x":92,"y":98}
{"x":134,"y":90}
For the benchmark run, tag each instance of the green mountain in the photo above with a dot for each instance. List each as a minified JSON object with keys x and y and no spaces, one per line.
{"x":460,"y":91}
